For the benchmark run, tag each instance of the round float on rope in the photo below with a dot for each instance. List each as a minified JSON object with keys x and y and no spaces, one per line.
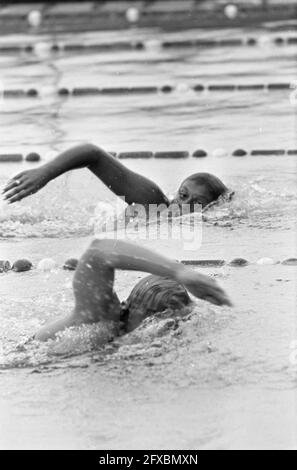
{"x":264,"y":40}
{"x":265,"y":261}
{"x":32,"y":157}
{"x":219,"y":152}
{"x":231,"y":11}
{"x":135,"y":155}
{"x":22,"y":265}
{"x":166,"y":88}
{"x":13,"y":157}
{"x":46,"y":264}
{"x":4,"y":266}
{"x":85,"y":91}
{"x":198,"y":87}
{"x":142,"y":89}
{"x":63,"y":92}
{"x":278,"y":86}
{"x":43,"y":49}
{"x":132,"y":15}
{"x":32,"y":92}
{"x":279,"y":40}
{"x":153,"y":45}
{"x":250,"y":86}
{"x":34,"y":18}
{"x":13,"y":93}
{"x":238,"y":262}
{"x":182,"y":87}
{"x":267,"y":152}
{"x":199,"y":154}
{"x":138,"y":45}
{"x":74,"y":47}
{"x":221,"y":87}
{"x":204,"y":262}
{"x":29,"y":48}
{"x":56,"y":47}
{"x":127,"y":90}
{"x":251,"y":41}
{"x":239,"y":153}
{"x":171,"y":154}
{"x":230,"y":42}
{"x":290,"y":262}
{"x":185,"y":43}
{"x":70,"y":264}
{"x":10,"y":49}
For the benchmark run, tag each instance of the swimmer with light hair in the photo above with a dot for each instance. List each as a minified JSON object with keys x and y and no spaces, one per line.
{"x":199,"y":188}
{"x":166,"y":287}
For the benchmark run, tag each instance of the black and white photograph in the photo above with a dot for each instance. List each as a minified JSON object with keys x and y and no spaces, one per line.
{"x":148,"y":249}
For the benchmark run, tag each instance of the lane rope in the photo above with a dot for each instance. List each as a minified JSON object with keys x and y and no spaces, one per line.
{"x":182,"y":154}
{"x":130,"y":90}
{"x":58,"y":47}
{"x":48,"y":264}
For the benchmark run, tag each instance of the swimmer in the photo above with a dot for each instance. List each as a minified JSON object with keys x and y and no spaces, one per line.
{"x":96,"y":300}
{"x":199,"y":188}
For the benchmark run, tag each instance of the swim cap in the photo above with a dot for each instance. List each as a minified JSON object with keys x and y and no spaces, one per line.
{"x":153,"y":294}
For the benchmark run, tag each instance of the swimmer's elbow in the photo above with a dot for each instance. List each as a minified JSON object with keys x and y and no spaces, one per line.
{"x":100,"y":249}
{"x":95,"y":156}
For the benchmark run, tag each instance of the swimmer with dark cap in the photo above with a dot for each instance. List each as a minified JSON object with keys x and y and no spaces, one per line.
{"x":96,"y":300}
{"x":200,"y":188}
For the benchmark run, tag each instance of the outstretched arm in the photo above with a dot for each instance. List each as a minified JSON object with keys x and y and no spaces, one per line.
{"x":124,"y":255}
{"x":119,"y":179}
{"x":95,"y":299}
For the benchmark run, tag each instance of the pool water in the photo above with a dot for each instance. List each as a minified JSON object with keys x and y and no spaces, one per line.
{"x":210,"y":378}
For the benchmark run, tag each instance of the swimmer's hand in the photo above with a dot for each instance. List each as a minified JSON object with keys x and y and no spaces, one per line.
{"x":203,"y":287}
{"x":24,"y":184}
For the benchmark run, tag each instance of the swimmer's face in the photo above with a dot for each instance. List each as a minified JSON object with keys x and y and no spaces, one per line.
{"x":192,"y":192}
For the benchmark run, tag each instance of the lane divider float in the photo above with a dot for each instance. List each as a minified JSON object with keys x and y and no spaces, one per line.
{"x":143,"y":45}
{"x":70,"y":264}
{"x":22,"y":265}
{"x":11,"y":157}
{"x":48,"y":264}
{"x":130,"y":90}
{"x":176,"y":154}
{"x":18,"y":157}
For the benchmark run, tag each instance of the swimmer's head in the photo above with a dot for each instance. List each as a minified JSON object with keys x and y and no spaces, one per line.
{"x":153,"y":294}
{"x":200,"y":188}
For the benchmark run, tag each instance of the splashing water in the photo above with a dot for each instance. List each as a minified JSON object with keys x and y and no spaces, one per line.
{"x":56,"y":213}
{"x":156,"y":336}
{"x":255,"y":206}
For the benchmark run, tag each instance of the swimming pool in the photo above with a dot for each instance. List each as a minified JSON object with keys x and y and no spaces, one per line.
{"x":219,"y":378}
